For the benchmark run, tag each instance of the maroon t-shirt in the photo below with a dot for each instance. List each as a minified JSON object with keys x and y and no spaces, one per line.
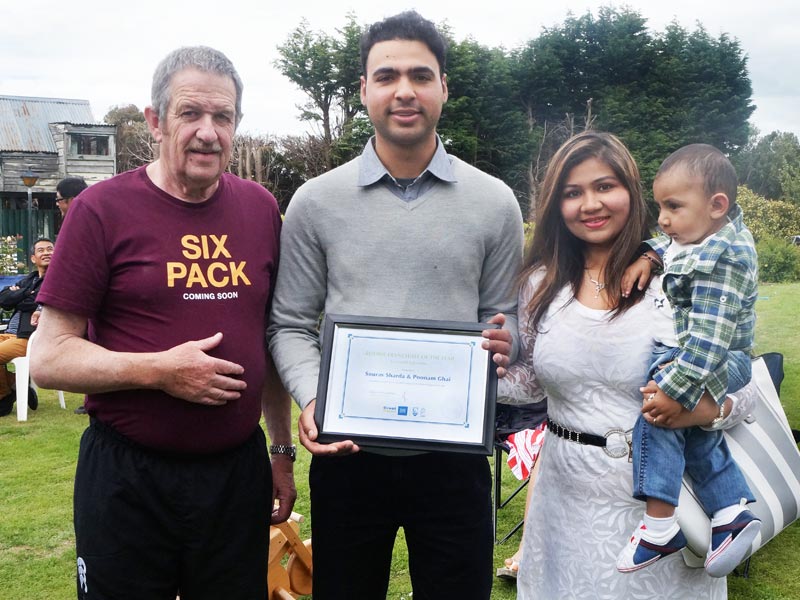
{"x":150,"y":272}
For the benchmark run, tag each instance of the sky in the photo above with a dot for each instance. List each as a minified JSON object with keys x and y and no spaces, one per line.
{"x":106,"y":52}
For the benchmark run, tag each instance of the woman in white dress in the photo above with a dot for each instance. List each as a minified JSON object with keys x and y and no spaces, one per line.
{"x":591,"y":353}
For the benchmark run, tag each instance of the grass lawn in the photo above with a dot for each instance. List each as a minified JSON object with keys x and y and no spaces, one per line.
{"x":37,"y":554}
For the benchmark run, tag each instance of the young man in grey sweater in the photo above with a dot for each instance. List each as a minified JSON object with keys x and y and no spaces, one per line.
{"x":404,"y":230}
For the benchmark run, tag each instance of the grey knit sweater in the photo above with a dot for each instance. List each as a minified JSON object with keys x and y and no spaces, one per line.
{"x":453,"y":254}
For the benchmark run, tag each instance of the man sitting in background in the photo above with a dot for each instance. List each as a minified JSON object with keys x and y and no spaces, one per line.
{"x":21,"y":298}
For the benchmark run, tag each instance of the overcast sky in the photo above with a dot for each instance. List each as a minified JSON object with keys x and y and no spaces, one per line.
{"x":106,"y":52}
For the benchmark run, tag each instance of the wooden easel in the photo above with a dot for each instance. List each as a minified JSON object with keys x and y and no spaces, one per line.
{"x":292,"y":580}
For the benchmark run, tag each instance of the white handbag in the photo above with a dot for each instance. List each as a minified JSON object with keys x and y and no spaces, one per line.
{"x":766,"y":452}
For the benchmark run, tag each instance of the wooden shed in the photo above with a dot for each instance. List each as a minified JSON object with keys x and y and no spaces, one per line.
{"x":54,"y":138}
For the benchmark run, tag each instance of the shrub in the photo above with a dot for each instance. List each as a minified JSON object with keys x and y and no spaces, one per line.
{"x":9,"y":256}
{"x":778,"y":260}
{"x":766,"y":218}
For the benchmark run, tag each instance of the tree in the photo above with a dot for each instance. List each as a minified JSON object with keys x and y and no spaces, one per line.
{"x":770,"y":166}
{"x":327,"y":69}
{"x":482,"y":123}
{"x":509,"y":111}
{"x":656,"y":92}
{"x":135,"y":145}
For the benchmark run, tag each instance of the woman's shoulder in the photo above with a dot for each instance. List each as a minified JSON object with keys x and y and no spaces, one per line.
{"x":533,"y":277}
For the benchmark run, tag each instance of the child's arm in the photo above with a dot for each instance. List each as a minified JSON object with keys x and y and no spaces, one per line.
{"x":706,"y":337}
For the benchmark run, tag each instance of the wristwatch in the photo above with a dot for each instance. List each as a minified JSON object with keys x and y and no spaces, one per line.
{"x":720,"y":417}
{"x":285,"y":449}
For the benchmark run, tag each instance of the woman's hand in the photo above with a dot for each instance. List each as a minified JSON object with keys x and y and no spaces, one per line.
{"x":705,"y":411}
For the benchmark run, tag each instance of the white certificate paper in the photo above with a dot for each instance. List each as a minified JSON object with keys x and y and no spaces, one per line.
{"x":407,"y":384}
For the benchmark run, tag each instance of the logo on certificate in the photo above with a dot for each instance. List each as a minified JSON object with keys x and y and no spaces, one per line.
{"x":402,"y":411}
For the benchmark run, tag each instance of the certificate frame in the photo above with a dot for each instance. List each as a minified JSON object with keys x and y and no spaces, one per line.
{"x":407,"y":384}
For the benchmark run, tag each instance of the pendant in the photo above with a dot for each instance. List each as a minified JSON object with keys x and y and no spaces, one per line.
{"x":598,"y":287}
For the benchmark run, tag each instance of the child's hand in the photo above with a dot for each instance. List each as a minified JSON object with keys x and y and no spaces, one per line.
{"x":637,"y":273}
{"x":658,"y":408}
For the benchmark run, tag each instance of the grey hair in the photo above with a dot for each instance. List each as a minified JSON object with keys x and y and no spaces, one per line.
{"x":201,"y":58}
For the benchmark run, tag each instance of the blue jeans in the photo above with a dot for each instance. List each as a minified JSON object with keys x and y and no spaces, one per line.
{"x":661,"y":455}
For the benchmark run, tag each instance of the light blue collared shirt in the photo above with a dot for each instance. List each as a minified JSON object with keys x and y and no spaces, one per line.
{"x":372,"y":171}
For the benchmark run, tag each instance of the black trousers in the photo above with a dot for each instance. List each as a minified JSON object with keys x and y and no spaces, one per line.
{"x":149,"y":526}
{"x":441,"y":500}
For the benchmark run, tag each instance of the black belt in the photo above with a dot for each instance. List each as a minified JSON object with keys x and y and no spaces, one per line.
{"x":620,"y":446}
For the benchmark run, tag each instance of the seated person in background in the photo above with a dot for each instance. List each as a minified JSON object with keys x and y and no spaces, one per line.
{"x":21,"y":298}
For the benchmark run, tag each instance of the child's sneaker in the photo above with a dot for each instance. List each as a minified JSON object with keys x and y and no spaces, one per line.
{"x":643,"y":549}
{"x":730,"y":543}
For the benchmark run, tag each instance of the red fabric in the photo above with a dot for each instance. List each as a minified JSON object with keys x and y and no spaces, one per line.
{"x":524,"y":448}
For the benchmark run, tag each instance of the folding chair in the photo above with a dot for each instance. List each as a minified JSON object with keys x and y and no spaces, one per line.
{"x":511,"y":419}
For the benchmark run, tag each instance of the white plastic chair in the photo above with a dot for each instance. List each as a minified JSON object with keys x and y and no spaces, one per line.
{"x":22,"y":368}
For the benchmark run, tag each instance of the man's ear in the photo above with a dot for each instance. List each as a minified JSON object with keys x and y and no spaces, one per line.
{"x":719,"y":205}
{"x":363,"y":90}
{"x":153,"y":123}
{"x":444,"y":87}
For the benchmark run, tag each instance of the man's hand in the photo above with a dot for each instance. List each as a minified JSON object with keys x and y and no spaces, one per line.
{"x":498,"y":342}
{"x":658,"y":408}
{"x":307,"y":430}
{"x":283,"y":489}
{"x":187,"y":372}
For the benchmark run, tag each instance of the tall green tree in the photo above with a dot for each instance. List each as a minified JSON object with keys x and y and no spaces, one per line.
{"x":482,"y":121}
{"x":509,"y":111}
{"x":770,"y":166}
{"x":326,"y":68}
{"x":656,"y":92}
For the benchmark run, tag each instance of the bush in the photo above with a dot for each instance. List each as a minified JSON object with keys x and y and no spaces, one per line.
{"x":778,"y":260}
{"x":767,"y":218}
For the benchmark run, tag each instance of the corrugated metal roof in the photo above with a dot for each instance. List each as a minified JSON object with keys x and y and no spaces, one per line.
{"x":24,"y":120}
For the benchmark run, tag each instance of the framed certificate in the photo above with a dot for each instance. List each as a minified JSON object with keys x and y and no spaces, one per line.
{"x":406,"y":383}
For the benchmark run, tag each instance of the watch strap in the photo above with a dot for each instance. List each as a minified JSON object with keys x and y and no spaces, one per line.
{"x":289,"y":450}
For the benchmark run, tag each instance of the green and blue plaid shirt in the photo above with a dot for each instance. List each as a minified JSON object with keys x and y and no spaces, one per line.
{"x":712,"y":289}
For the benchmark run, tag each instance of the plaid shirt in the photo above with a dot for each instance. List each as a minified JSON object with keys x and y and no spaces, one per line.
{"x":712,"y":289}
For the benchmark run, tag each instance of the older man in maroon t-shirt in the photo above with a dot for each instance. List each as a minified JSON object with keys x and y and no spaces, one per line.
{"x":157,"y":310}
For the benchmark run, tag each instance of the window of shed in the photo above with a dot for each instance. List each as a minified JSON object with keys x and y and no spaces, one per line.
{"x":96,"y":145}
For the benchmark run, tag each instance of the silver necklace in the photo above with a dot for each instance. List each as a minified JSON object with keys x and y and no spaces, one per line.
{"x":598,"y":286}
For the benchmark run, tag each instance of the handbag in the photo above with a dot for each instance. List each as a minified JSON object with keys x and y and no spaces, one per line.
{"x":765,"y":450}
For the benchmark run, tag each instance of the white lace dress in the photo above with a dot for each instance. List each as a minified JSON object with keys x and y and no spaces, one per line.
{"x":582,"y":511}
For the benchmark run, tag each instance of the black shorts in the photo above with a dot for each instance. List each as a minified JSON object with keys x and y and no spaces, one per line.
{"x":149,"y":526}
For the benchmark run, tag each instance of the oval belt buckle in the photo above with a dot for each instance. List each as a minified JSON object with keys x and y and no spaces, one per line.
{"x":618,"y":447}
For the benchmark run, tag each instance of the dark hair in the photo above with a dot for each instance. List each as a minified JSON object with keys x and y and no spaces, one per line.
{"x":556,"y":249}
{"x":41,"y":239}
{"x":709,"y":164}
{"x":408,"y":25}
{"x":69,"y":187}
{"x":201,"y":58}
